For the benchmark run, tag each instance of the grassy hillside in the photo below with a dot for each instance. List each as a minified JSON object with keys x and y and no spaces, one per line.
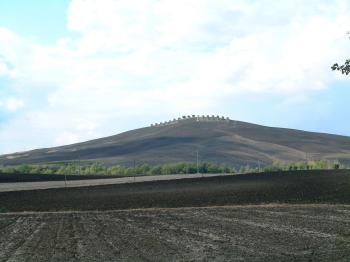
{"x":218,"y":141}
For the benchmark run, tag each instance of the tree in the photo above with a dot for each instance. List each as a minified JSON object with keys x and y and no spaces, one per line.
{"x":345,"y":68}
{"x":96,"y":168}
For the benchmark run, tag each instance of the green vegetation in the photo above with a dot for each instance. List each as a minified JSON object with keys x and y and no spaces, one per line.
{"x":289,"y":166}
{"x":97,"y":168}
{"x":344,"y":69}
{"x":302,"y":165}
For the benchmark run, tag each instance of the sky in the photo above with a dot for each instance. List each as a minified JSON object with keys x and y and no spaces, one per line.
{"x":76,"y":70}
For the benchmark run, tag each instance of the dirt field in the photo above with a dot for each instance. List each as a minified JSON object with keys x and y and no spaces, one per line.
{"x":299,"y":187}
{"x":249,"y":233}
{"x":11,"y":178}
{"x":87,"y":181}
{"x":204,"y":224}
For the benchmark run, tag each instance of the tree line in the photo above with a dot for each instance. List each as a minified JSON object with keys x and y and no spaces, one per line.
{"x":97,"y":168}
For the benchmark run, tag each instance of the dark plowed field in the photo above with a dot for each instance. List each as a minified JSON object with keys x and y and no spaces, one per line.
{"x":246,"y":233}
{"x":10,"y":178}
{"x":286,"y":187}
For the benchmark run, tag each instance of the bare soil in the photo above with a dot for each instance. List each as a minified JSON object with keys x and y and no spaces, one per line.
{"x":11,"y":178}
{"x":231,"y":233}
{"x":325,"y":186}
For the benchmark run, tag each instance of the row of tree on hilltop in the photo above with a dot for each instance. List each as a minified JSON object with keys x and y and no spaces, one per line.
{"x":196,"y":117}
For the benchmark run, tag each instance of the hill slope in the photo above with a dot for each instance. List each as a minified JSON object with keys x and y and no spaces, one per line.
{"x":217,"y":140}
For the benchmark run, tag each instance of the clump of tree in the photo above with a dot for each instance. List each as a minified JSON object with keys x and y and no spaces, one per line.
{"x":302,"y":165}
{"x":97,"y":168}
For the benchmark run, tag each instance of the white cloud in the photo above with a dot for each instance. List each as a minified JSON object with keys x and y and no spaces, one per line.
{"x":4,"y":69}
{"x":67,"y":138}
{"x":12,"y":104}
{"x":154,"y":59}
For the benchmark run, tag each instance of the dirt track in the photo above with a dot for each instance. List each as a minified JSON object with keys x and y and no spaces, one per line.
{"x":249,"y":233}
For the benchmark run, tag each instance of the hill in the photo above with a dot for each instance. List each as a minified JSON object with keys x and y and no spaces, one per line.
{"x":216,"y":139}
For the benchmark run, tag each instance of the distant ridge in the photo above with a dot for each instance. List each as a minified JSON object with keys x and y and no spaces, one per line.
{"x":217,"y":139}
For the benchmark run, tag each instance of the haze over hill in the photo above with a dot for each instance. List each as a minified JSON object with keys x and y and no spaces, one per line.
{"x":217,"y":139}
